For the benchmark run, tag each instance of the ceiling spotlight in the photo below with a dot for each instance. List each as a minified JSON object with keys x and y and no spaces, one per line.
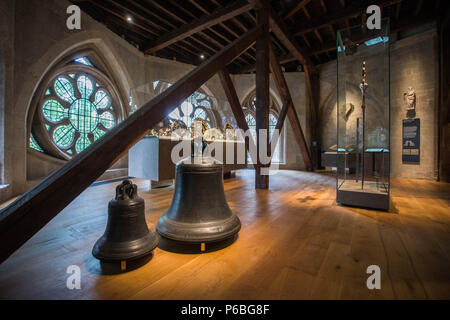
{"x":202,"y":56}
{"x":129,"y":19}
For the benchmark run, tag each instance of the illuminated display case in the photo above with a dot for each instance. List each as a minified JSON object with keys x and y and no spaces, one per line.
{"x":363,"y":117}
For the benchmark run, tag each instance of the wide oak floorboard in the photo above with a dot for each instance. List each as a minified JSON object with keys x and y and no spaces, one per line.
{"x":295,"y":243}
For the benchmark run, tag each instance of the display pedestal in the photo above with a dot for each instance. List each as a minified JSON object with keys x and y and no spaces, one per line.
{"x":375,"y":195}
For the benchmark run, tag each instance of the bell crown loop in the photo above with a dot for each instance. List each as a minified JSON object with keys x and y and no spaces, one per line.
{"x":126,"y":191}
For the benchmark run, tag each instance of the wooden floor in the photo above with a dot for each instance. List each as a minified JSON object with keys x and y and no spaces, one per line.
{"x":295,"y":243}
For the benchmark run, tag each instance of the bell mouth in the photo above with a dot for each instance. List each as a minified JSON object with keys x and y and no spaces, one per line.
{"x":110,"y":251}
{"x":198,"y":232}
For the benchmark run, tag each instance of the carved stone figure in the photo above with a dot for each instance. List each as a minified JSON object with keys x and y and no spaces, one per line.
{"x":410,"y":99}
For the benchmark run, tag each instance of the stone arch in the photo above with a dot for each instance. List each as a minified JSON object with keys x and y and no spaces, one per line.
{"x":108,"y":61}
{"x":251,"y":91}
{"x":275,"y":109}
{"x":84,"y":43}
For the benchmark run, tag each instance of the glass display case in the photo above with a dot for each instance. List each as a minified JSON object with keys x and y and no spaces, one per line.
{"x":363,"y":117}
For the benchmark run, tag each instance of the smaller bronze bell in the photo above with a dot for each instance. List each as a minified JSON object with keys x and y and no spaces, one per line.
{"x":126,"y":236}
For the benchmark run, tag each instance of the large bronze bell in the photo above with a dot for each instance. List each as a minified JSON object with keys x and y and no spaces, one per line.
{"x":126,"y":236}
{"x":199,"y":213}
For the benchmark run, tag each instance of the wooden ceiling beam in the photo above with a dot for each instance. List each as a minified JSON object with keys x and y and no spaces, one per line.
{"x":198,"y":6}
{"x":275,"y":40}
{"x":333,"y":33}
{"x":166,"y":11}
{"x":232,"y":32}
{"x":305,"y":38}
{"x":123,"y":18}
{"x":200,"y":24}
{"x":233,"y":100}
{"x":397,"y":10}
{"x":187,"y":45}
{"x":218,"y":44}
{"x":184,"y":47}
{"x":282,"y":33}
{"x":183,"y":9}
{"x":418,"y":7}
{"x":317,"y":33}
{"x":353,"y":10}
{"x":262,"y":81}
{"x":306,"y":12}
{"x":246,"y":54}
{"x":227,"y":41}
{"x":288,"y":109}
{"x":330,"y":45}
{"x":324,"y":7}
{"x":134,"y":14}
{"x":299,"y":6}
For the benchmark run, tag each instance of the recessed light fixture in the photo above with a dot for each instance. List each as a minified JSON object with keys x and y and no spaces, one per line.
{"x":129,"y":19}
{"x":202,"y":56}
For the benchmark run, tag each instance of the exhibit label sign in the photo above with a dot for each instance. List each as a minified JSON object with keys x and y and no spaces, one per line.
{"x":411,"y":141}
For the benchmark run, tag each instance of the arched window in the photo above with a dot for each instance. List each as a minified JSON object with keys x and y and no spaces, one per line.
{"x":78,"y":106}
{"x":249,"y":108}
{"x":198,"y":105}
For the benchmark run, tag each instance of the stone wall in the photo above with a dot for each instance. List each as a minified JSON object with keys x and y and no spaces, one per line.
{"x":413,"y":63}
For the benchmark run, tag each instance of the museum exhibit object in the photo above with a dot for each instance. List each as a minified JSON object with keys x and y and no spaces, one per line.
{"x":363,"y":135}
{"x":199,"y":215}
{"x":127,"y":236}
{"x":150,"y":158}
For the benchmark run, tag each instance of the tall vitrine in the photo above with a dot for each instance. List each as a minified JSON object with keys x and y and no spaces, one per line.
{"x":363,"y":116}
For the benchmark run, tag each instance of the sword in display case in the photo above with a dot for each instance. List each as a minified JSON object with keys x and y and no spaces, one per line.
{"x":363,"y":86}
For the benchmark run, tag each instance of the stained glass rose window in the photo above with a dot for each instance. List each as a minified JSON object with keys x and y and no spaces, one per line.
{"x":76,"y":110}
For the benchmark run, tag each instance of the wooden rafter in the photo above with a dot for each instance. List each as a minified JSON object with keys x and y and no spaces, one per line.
{"x":311,"y":73}
{"x":324,"y":7}
{"x":201,"y":33}
{"x":418,"y":7}
{"x":211,"y":29}
{"x":288,"y":108}
{"x":353,"y":10}
{"x":397,"y":10}
{"x":34,"y":209}
{"x":317,"y":33}
{"x":233,"y":99}
{"x":262,"y":103}
{"x":281,"y":31}
{"x":200,"y":24}
{"x":330,"y":45}
{"x":236,"y":108}
{"x":299,"y":6}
